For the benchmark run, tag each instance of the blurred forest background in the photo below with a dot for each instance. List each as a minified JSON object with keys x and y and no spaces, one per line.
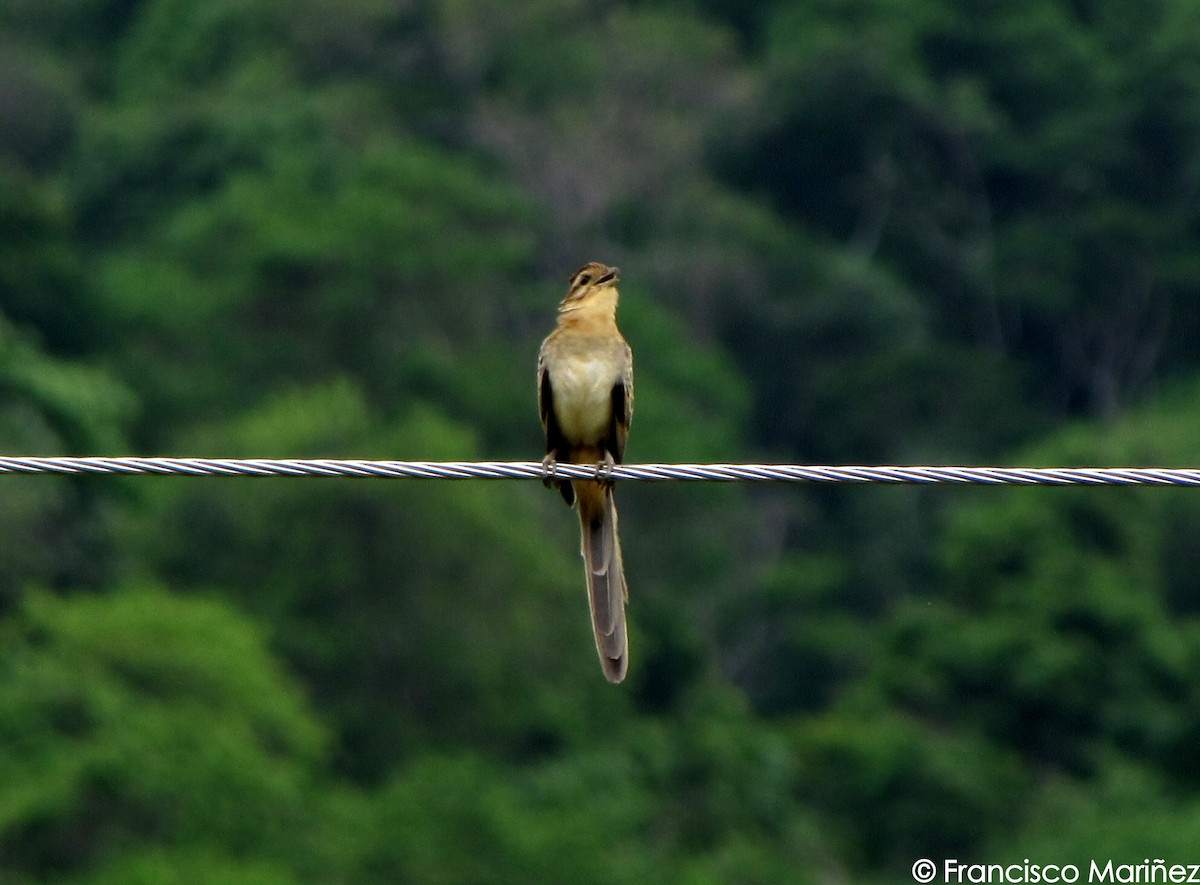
{"x":851,"y":231}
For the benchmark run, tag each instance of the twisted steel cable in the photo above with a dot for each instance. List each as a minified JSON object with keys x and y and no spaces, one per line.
{"x":894,"y":475}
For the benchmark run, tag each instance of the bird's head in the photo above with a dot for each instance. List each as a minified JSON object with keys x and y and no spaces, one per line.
{"x":591,"y":279}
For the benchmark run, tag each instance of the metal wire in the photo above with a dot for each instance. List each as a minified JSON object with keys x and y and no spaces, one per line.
{"x":1054,"y":476}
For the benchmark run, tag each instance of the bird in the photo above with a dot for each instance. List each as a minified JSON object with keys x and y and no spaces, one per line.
{"x":585,"y":400}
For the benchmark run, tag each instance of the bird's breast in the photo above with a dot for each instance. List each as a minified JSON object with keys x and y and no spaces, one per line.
{"x":583,"y":397}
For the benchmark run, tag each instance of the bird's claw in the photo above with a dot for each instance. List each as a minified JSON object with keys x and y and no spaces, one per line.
{"x":604,"y":470}
{"x":549,"y":472}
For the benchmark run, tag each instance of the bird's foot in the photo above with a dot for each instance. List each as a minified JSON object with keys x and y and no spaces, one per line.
{"x":604,"y":470}
{"x":549,"y":471}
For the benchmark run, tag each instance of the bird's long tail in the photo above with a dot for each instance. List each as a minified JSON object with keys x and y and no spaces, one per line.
{"x":602,"y":564}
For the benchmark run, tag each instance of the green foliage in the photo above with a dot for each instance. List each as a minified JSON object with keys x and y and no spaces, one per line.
{"x":53,"y":404}
{"x":852,"y":231}
{"x":143,"y":720}
{"x":895,"y":789}
{"x":1121,"y":814}
{"x":701,"y":800}
{"x":356,"y":263}
{"x":449,"y":635}
{"x":53,"y":401}
{"x":1051,"y":642}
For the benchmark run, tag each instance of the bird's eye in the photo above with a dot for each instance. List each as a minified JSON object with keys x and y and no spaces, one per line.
{"x":583,"y":279}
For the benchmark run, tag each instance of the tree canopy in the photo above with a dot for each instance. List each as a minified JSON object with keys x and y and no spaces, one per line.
{"x":850,"y":231}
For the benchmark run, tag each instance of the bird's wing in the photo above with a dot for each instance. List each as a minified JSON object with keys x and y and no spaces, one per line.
{"x":555,"y":443}
{"x":622,"y":409}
